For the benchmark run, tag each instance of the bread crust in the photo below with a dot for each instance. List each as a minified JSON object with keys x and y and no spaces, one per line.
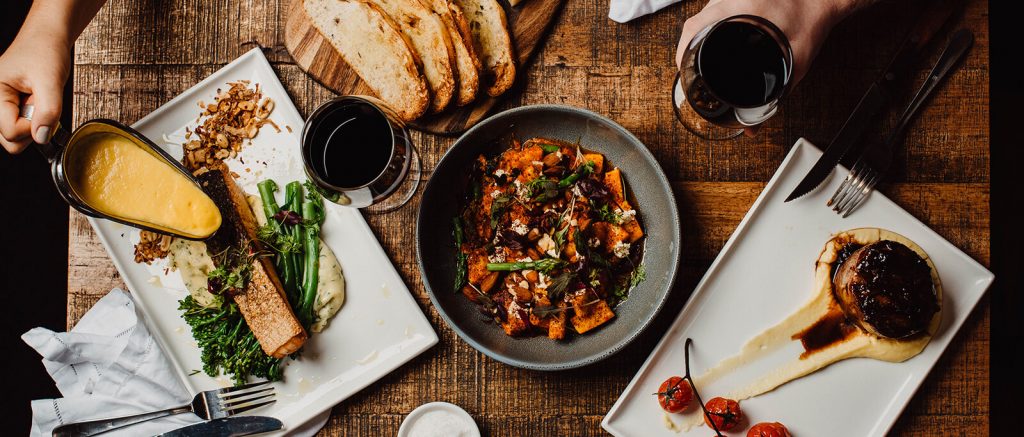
{"x":431,"y":40}
{"x":492,"y":43}
{"x":374,"y":47}
{"x":467,"y":63}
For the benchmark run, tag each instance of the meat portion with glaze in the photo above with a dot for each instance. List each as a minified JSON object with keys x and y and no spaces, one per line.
{"x":886,"y":288}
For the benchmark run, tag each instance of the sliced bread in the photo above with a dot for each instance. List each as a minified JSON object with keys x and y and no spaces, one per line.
{"x":466,"y":62}
{"x":370,"y":42}
{"x":492,"y":43}
{"x":431,"y":40}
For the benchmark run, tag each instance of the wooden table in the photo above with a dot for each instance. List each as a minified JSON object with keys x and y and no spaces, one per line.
{"x":138,"y":54}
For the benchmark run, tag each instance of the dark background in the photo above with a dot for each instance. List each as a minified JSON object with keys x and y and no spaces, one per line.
{"x":34,"y":233}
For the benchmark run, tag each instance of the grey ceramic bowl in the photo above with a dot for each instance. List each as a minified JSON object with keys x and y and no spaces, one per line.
{"x":651,"y":195}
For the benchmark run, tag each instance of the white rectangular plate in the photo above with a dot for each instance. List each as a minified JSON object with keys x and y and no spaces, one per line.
{"x":764,"y":273}
{"x":380,"y":326}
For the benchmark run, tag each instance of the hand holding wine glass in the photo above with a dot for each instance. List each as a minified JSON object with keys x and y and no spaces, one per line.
{"x":804,"y":23}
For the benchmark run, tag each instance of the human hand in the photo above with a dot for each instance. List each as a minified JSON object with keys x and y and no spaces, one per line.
{"x":806,"y":24}
{"x":32,"y":70}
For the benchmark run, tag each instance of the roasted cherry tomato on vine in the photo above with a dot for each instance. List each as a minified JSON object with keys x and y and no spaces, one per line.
{"x":768,"y":429}
{"x":675,"y":394}
{"x":725,"y":413}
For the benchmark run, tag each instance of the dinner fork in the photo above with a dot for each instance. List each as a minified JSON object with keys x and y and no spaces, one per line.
{"x":208,"y":405}
{"x":876,"y":158}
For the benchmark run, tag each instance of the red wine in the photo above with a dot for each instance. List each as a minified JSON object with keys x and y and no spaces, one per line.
{"x":350,"y":145}
{"x":741,"y":71}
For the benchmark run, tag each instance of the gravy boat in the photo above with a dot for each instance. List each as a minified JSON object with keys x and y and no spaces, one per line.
{"x":62,"y":142}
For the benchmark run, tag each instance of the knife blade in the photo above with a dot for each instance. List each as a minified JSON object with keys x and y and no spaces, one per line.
{"x":236,"y":426}
{"x":879,"y":94}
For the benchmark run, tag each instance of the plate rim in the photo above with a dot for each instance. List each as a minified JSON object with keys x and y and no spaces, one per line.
{"x":676,"y":229}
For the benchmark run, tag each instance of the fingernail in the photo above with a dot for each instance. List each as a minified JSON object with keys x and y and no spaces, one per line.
{"x":42,"y":135}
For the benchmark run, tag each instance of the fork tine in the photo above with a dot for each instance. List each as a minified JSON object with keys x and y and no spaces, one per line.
{"x":237,"y":396}
{"x":855,"y":181}
{"x":844,"y":185}
{"x":855,"y":188}
{"x":242,"y":409}
{"x":242,"y":387}
{"x":238,"y":402}
{"x":862,"y":190}
{"x":864,"y":195}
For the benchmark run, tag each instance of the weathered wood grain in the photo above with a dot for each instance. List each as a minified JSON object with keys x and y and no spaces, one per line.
{"x":527,"y":23}
{"x":623,"y":71}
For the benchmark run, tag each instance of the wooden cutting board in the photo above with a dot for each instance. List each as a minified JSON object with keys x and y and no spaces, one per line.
{"x":528,"y":23}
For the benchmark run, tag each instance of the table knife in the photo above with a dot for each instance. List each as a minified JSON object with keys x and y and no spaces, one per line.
{"x":228,"y":427}
{"x":879,"y":94}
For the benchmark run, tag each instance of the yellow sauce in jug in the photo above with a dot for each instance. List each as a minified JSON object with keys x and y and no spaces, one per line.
{"x":116,"y":176}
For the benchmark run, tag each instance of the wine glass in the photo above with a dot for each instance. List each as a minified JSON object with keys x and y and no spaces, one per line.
{"x":358,"y":153}
{"x":733,"y":74}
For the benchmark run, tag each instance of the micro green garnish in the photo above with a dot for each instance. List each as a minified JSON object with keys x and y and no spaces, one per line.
{"x":233,"y":271}
{"x":542,"y":189}
{"x":605,"y":214}
{"x":558,"y":285}
{"x":549,"y":148}
{"x":498,"y":207}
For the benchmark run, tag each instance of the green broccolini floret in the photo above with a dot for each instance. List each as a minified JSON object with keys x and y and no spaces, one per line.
{"x":228,"y":345}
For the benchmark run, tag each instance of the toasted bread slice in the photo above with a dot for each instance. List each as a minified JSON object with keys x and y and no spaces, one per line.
{"x":492,"y":43}
{"x":263,"y":304}
{"x":431,"y":40}
{"x":371,"y":43}
{"x":466,"y":62}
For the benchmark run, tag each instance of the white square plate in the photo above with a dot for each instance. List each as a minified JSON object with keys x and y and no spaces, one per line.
{"x":380,"y":326}
{"x":764,"y":273}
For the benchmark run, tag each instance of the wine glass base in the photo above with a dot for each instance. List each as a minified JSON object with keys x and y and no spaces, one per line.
{"x":405,"y":190}
{"x":693,"y":122}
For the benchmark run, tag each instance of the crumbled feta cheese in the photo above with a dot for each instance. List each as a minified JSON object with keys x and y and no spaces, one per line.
{"x":499,"y":173}
{"x":573,"y":222}
{"x":495,"y":193}
{"x":621,"y":249}
{"x":498,"y":257}
{"x":542,"y":281}
{"x":537,"y":163}
{"x":558,"y":153}
{"x":594,"y":242}
{"x":525,"y":260}
{"x":524,"y":284}
{"x":552,"y":253}
{"x":576,"y":191}
{"x":522,"y":191}
{"x":519,"y":227}
{"x":628,"y":216}
{"x":547,"y":245}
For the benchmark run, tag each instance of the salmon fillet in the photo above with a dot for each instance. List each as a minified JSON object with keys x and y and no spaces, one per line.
{"x":264,"y":303}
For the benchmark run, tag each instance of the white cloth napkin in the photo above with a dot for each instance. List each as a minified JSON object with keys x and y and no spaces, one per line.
{"x":625,"y":10}
{"x":109,"y":365}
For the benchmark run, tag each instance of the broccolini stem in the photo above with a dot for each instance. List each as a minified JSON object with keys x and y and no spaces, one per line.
{"x":545,"y":265}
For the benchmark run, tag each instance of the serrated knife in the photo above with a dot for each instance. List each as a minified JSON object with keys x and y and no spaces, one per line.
{"x":879,"y":94}
{"x":236,"y":426}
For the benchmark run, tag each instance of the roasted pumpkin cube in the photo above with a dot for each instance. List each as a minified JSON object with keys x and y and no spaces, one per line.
{"x":516,"y":323}
{"x":613,"y":180}
{"x":477,"y":266}
{"x":634,"y":230}
{"x":590,"y":314}
{"x":609,"y":234}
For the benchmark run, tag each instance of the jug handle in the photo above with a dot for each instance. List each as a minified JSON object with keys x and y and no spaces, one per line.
{"x":58,"y":137}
